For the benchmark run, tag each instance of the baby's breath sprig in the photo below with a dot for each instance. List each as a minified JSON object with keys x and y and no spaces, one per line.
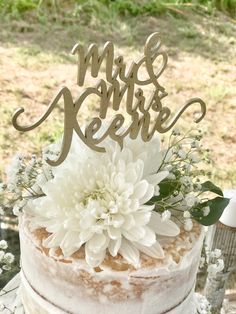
{"x":211,"y":261}
{"x":6,"y":258}
{"x":183,"y":194}
{"x":24,"y":180}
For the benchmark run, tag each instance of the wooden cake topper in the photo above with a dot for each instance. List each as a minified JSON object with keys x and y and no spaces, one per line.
{"x":120,"y":81}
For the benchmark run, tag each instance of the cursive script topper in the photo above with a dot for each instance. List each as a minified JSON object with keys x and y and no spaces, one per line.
{"x":121,"y":83}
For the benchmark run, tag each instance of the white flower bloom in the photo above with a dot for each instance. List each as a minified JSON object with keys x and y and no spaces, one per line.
{"x":195,"y":144}
{"x":206,"y":211}
{"x":6,"y":267}
{"x":3,"y":245}
{"x":220,"y":264}
{"x":176,"y":131}
{"x":188,"y":224}
{"x":186,"y":214}
{"x":194,"y":158}
{"x":202,"y":304}
{"x":181,"y":154}
{"x":190,"y":199}
{"x":165,"y":215}
{"x":215,"y":254}
{"x":215,"y":268}
{"x":186,"y":180}
{"x":8,"y":258}
{"x":99,"y":199}
{"x":18,"y":207}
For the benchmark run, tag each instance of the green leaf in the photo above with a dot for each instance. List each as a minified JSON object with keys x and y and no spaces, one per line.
{"x":208,"y":186}
{"x":153,"y":200}
{"x":167,"y":188}
{"x":217,"y":206}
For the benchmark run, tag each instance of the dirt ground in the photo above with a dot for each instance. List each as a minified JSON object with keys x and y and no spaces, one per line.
{"x":35,"y":63}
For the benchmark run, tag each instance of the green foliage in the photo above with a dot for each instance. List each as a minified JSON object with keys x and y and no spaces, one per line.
{"x":17,"y":7}
{"x":216,"y":205}
{"x":107,"y":8}
{"x":208,"y":186}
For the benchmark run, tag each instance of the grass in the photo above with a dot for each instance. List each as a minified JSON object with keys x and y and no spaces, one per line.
{"x":105,"y":9}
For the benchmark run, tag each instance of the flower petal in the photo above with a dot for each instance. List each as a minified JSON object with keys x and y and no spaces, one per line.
{"x":134,"y":234}
{"x":148,"y":195}
{"x":140,"y":189}
{"x":129,"y":222}
{"x":70,"y":243}
{"x":165,"y":228}
{"x":129,"y":252}
{"x":97,"y":243}
{"x":149,"y":238}
{"x":157,"y":178}
{"x":141,"y":217}
{"x":114,"y":246}
{"x":114,"y":233}
{"x":154,"y":251}
{"x":94,"y":259}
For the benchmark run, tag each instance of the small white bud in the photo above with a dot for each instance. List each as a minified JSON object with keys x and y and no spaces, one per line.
{"x":8,"y":258}
{"x":3,"y":245}
{"x":165,"y":215}
{"x":206,"y":211}
{"x":188,"y":224}
{"x":176,"y":131}
{"x":187,"y":214}
{"x":194,"y":158}
{"x":181,"y":154}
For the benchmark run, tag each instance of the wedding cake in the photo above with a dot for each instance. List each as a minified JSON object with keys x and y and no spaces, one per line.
{"x":110,"y":219}
{"x":54,"y":284}
{"x":91,"y":244}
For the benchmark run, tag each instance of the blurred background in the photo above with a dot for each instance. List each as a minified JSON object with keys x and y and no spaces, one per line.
{"x":36,"y":38}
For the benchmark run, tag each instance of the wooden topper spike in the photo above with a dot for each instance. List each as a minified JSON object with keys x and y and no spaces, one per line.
{"x":121,"y":81}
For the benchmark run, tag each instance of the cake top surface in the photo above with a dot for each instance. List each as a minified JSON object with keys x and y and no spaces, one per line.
{"x":176,"y":249}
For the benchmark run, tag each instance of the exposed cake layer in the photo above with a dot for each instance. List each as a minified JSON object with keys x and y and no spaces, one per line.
{"x":35,"y":304}
{"x":159,"y":286}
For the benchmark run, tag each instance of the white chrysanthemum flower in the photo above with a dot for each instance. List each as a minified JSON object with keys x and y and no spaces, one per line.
{"x":100,"y":200}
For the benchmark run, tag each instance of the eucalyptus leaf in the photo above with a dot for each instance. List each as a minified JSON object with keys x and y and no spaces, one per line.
{"x":153,"y":200}
{"x":216,"y":205}
{"x":167,"y":188}
{"x":208,"y":186}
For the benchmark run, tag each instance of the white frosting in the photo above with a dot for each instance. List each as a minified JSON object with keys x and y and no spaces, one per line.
{"x":74,"y":288}
{"x":34,"y":304}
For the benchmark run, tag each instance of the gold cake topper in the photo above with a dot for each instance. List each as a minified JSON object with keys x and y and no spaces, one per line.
{"x":120,"y":80}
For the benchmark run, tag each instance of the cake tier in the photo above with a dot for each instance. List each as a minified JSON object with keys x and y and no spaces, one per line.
{"x":53,"y":284}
